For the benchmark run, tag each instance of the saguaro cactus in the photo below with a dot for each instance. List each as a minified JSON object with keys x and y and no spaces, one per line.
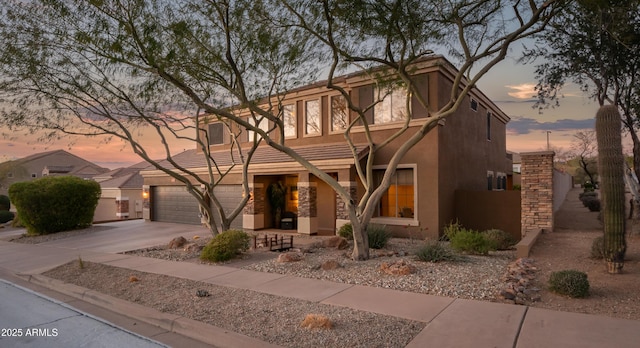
{"x":611,"y":170}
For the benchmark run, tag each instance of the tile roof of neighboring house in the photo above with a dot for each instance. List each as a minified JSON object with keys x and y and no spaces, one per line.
{"x":266,"y":155}
{"x":130,"y":180}
{"x":58,"y":169}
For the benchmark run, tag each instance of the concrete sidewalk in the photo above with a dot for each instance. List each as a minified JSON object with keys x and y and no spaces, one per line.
{"x":450,"y":322}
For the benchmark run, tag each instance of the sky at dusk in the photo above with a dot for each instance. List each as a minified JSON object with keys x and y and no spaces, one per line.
{"x":509,"y":85}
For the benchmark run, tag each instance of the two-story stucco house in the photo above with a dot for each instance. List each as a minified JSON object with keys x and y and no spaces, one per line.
{"x":467,"y":152}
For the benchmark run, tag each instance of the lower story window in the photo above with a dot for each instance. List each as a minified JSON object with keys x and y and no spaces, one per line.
{"x":398,"y":201}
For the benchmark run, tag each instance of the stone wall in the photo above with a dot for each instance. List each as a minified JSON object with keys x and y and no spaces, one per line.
{"x":537,"y":191}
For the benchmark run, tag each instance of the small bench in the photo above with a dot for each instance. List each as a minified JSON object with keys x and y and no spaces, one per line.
{"x":274,"y":242}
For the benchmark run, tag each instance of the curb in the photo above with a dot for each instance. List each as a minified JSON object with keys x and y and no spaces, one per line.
{"x":194,"y":329}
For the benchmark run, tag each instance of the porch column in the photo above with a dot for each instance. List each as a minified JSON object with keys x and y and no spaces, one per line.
{"x":307,"y":207}
{"x":342,"y":213}
{"x":537,"y":191}
{"x":253,"y":214}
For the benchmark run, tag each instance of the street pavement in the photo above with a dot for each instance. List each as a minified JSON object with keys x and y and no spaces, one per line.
{"x":28,"y":319}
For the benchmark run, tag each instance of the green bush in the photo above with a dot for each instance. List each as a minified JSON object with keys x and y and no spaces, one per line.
{"x":469,"y":241}
{"x":5,"y":203}
{"x":225,"y":246}
{"x":503,"y":240}
{"x":593,"y":204}
{"x":434,"y":251}
{"x":452,"y":228}
{"x":589,"y":187}
{"x":378,"y":236}
{"x":55,"y":204}
{"x":6,"y":216}
{"x":597,"y":248}
{"x":569,"y":282}
{"x":346,"y":231}
{"x":587,"y":195}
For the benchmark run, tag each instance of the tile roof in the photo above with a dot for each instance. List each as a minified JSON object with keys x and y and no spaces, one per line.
{"x":265,"y":155}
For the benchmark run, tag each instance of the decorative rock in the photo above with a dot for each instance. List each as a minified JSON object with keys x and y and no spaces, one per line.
{"x":316,"y":321}
{"x":290,"y":257}
{"x":519,"y":278}
{"x":202,"y":293}
{"x":133,"y":279}
{"x":400,"y":267}
{"x":177,"y":242}
{"x":330,"y":265}
{"x":335,"y":242}
{"x":192,"y":247}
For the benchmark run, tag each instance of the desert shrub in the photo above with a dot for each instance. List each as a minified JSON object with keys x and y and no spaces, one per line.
{"x":56,"y":203}
{"x":593,"y":204}
{"x":6,"y":216}
{"x":378,"y":236}
{"x":434,"y":251}
{"x":503,"y":240}
{"x":589,"y":187}
{"x":569,"y":282}
{"x":587,"y":195}
{"x":452,"y":228}
{"x":346,"y":231}
{"x":472,"y":242}
{"x":5,"y":203}
{"x":225,"y":246}
{"x":597,"y":248}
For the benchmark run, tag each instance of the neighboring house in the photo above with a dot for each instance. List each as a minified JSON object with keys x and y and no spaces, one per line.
{"x":467,"y":152}
{"x":121,"y":196}
{"x":51,"y":163}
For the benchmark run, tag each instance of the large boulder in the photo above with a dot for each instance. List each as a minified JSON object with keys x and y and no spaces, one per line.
{"x":177,"y":242}
{"x":330,"y":265}
{"x":400,"y":267}
{"x":335,"y":242}
{"x":290,"y":257}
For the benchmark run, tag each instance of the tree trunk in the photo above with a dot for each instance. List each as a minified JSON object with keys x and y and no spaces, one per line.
{"x":360,"y":242}
{"x":611,"y":169}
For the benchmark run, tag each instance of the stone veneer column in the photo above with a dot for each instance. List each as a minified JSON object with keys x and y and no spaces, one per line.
{"x":122,"y":207}
{"x":307,"y":207}
{"x":253,"y":213}
{"x":537,"y":191}
{"x":342,"y":214}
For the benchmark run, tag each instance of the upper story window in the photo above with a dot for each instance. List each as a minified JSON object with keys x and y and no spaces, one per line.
{"x":263,"y":124}
{"x":339,"y":113}
{"x":489,"y":125}
{"x":216,"y":133}
{"x":312,"y":117}
{"x":490,"y":180}
{"x":34,"y":175}
{"x":290,"y":120}
{"x":473,"y":104}
{"x":392,"y":108}
{"x":9,"y":175}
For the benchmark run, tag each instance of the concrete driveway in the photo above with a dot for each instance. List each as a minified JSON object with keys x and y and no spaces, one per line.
{"x":121,"y":236}
{"x":104,"y":241}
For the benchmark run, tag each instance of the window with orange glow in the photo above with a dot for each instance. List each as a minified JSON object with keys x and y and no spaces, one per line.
{"x":398,"y":201}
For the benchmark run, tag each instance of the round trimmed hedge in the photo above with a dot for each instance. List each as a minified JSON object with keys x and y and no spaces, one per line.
{"x":55,"y":203}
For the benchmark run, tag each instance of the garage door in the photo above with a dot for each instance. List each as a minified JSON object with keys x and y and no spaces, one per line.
{"x":175,"y":204}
